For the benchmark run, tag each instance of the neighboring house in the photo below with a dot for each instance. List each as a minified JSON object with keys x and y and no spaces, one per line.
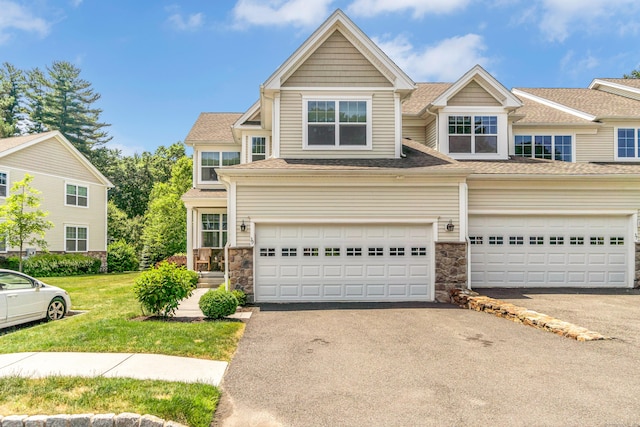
{"x":73,"y":191}
{"x":348,"y":181}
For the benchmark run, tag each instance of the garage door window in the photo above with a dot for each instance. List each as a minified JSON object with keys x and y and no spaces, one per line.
{"x":536,"y":240}
{"x":310,"y":252}
{"x":289,"y":252}
{"x":267,"y":252}
{"x":376,"y":252}
{"x":616,"y":241}
{"x":516,"y":240}
{"x":420,"y":251}
{"x":496,"y":240}
{"x":556,"y":240}
{"x":597,"y":241}
{"x":396,"y":251}
{"x":475,"y":240}
{"x":354,"y":251}
{"x":331,"y":251}
{"x":576,"y":241}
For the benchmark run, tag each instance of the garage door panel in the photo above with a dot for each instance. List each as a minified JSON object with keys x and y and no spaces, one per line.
{"x":350,"y":262}
{"x":585,"y":251}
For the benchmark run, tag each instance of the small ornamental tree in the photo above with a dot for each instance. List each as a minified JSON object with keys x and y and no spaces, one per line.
{"x":21,"y":220}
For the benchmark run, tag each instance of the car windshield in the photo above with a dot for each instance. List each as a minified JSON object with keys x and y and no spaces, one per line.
{"x":10,"y":281}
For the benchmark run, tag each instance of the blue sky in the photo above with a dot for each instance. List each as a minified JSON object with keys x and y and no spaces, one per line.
{"x":158,"y":64}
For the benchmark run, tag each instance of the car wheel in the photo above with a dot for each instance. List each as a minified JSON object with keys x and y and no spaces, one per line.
{"x":56,"y":309}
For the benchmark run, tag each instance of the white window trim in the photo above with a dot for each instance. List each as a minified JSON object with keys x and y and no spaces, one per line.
{"x":503,"y":131}
{"x":337,"y":99}
{"x":76,"y":185}
{"x":200,"y":152}
{"x":250,"y":146}
{"x":636,"y":128}
{"x":512,"y":148}
{"x":8,"y":185}
{"x":64,"y":239}
{"x":200,"y":229}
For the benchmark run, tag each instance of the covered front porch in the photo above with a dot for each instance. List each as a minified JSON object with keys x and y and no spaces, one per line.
{"x":206,"y":229}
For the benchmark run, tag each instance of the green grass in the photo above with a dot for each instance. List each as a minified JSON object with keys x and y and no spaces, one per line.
{"x":107,"y":326}
{"x":188,"y":404}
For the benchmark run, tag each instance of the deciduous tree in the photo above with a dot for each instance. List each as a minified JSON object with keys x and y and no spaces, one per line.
{"x":22,"y":220}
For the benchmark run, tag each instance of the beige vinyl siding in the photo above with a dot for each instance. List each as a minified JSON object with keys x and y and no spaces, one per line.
{"x":328,"y":202}
{"x":336,"y":63}
{"x":383,"y":129}
{"x":432,"y":135}
{"x":50,"y":157}
{"x":580,"y":194}
{"x":473,"y":95}
{"x":413,"y":128}
{"x":620,"y":92}
{"x":53,"y":196}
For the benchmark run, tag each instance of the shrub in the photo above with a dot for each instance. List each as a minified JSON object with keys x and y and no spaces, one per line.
{"x":240,"y":296}
{"x":50,"y":265}
{"x":10,"y":263}
{"x":218,"y":304}
{"x":121,"y":256}
{"x":161,"y":289}
{"x":178,"y":259}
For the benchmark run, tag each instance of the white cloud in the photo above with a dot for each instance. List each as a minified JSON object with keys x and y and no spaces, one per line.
{"x":298,"y":13}
{"x":560,"y":18}
{"x":76,"y":3}
{"x":419,"y":7}
{"x":17,"y":17}
{"x":192,"y":23}
{"x":575,"y":65}
{"x":445,"y":61}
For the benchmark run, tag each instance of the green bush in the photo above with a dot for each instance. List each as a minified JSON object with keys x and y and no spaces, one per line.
{"x":121,"y":256}
{"x":10,"y":263}
{"x":240,"y":296}
{"x":161,"y":289}
{"x":52,"y":265}
{"x":218,"y":304}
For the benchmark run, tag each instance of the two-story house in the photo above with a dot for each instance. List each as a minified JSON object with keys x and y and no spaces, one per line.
{"x":347,"y":181}
{"x":73,"y":191}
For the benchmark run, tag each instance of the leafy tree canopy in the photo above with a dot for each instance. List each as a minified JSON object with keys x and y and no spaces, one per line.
{"x":635,"y":74}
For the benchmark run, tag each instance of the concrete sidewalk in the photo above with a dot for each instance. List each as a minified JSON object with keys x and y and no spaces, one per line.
{"x":111,"y":365}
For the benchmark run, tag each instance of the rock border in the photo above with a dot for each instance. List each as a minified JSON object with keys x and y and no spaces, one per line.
{"x":466,"y":298}
{"x":126,"y":419}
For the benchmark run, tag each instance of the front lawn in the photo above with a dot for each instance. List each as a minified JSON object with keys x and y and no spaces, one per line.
{"x":188,"y":404}
{"x":107,"y":326}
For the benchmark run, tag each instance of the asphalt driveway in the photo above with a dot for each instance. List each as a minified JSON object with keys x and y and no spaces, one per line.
{"x":435,"y":364}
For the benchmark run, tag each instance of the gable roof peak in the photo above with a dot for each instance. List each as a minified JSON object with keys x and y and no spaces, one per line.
{"x":484,"y":79}
{"x":338,"y":20}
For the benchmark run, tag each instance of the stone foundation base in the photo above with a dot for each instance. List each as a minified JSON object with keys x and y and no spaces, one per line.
{"x":451,"y":269}
{"x":241,"y":270}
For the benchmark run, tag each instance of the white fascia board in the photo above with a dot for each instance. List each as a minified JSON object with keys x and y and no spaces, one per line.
{"x":555,"y":105}
{"x":240,"y":172}
{"x":402,"y":80}
{"x":597,"y":82}
{"x":250,"y":112}
{"x":511,"y":101}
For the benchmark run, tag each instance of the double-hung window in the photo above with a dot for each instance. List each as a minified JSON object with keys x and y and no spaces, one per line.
{"x":214,"y":230}
{"x":77,"y":195}
{"x":550,"y":147}
{"x":75,"y":239}
{"x":211,"y":160}
{"x":258,"y":148}
{"x":4,"y":182}
{"x":628,"y":143}
{"x":344,"y":124}
{"x":473,"y":134}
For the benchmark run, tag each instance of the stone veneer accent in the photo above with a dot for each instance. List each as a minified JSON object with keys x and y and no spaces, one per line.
{"x":241,"y":270}
{"x":125,"y":419}
{"x":451,"y":269}
{"x":636,"y":281}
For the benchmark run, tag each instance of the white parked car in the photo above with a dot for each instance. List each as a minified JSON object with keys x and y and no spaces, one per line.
{"x":24,"y":299}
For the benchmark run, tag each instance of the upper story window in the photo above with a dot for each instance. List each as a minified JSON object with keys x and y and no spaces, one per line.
{"x":258,"y":148}
{"x":344,"y":124}
{"x":628,"y":143}
{"x":210,"y":160}
{"x":473,"y":134}
{"x":551,"y":147}
{"x":77,"y":195}
{"x":4,"y":182}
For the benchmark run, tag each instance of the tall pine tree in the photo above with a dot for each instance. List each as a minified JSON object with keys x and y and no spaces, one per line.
{"x":11,"y":96}
{"x":36,"y":89}
{"x":68,"y":107}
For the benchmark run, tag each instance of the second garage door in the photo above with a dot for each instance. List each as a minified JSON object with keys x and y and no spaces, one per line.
{"x":343,"y":263}
{"x":548,"y":251}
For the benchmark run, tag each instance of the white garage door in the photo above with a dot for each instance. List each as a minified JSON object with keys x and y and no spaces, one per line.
{"x":343,"y":263}
{"x":510,"y":251}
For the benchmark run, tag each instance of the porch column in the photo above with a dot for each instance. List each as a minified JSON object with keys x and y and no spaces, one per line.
{"x":190,"y":238}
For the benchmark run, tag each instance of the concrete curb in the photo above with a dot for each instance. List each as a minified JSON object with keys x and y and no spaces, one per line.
{"x":125,"y":419}
{"x":474,"y":301}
